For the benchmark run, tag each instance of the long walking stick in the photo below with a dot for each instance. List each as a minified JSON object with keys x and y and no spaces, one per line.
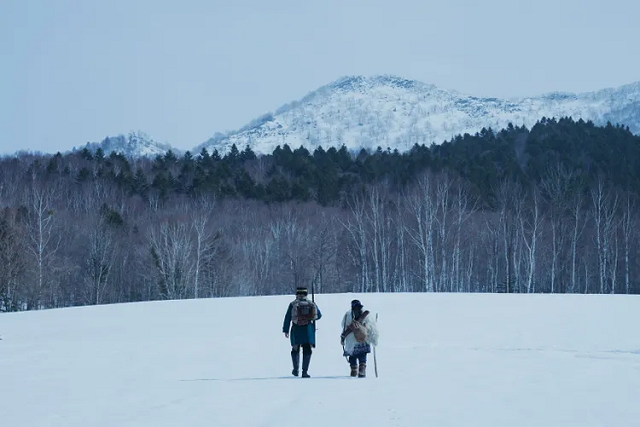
{"x":313,"y":300}
{"x":375,"y":361}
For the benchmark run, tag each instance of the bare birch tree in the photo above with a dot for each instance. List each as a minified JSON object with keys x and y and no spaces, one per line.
{"x":578,"y":220}
{"x":99,"y":261}
{"x":530,"y":224}
{"x":629,"y":215}
{"x":491,"y":241}
{"x":172,"y":254}
{"x":464,"y":207}
{"x":205,"y":238}
{"x":292,"y":235}
{"x":323,"y":251}
{"x":604,"y":208}
{"x":382,"y":236}
{"x":422,"y":207}
{"x":401,"y":260}
{"x":356,"y":228}
{"x":509,"y":198}
{"x":556,"y":188}
{"x":443,"y":212}
{"x":43,"y":242}
{"x":12,"y":264}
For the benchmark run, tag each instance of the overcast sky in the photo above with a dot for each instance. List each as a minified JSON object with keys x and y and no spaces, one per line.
{"x":73,"y":71}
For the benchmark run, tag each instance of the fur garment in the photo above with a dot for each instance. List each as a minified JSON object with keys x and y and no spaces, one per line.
{"x":353,"y":347}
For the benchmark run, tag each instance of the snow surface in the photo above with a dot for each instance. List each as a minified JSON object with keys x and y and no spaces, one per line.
{"x":389,"y":111}
{"x":444,"y":360}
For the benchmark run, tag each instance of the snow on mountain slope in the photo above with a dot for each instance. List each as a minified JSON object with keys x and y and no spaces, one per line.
{"x":393,"y":112}
{"x":136,"y":144}
{"x":444,"y":360}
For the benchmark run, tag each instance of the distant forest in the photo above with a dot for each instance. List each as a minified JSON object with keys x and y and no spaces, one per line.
{"x":550,"y":209}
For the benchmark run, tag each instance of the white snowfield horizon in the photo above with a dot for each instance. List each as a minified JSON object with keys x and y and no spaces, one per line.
{"x":443,"y":360}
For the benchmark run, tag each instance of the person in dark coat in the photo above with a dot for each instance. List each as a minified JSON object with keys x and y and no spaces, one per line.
{"x":301,"y":330}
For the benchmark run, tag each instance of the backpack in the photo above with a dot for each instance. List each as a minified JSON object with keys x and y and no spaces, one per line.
{"x":358,"y":328}
{"x":303,"y":311}
{"x":359,"y":331}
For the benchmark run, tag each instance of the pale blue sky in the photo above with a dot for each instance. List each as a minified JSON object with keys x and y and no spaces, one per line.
{"x":74,"y":71}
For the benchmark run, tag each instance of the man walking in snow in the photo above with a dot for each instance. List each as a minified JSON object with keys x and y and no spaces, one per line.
{"x":359,"y":333}
{"x":301,"y":315}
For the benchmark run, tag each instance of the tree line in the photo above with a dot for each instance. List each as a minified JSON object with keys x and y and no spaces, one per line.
{"x":546,"y":209}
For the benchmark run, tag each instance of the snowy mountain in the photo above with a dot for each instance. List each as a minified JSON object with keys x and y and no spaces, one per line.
{"x":393,"y":112}
{"x":136,"y":144}
{"x":444,"y":360}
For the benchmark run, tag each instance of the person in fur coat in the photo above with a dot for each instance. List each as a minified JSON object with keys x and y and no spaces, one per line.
{"x":354,"y":350}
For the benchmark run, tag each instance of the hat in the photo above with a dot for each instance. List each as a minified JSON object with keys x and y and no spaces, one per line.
{"x":302,"y":290}
{"x":356,"y":304}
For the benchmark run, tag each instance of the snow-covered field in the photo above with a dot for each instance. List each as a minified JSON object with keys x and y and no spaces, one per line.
{"x":443,"y":360}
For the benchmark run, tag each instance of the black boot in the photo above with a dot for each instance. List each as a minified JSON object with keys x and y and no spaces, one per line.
{"x":295,"y":358}
{"x":306,"y":358}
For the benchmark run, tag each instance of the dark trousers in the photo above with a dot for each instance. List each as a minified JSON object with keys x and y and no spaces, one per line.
{"x":353,"y":360}
{"x":306,"y":348}
{"x":306,"y":356}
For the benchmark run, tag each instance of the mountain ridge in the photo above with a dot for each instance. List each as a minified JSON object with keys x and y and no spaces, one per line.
{"x":391,"y":111}
{"x":134,"y":144}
